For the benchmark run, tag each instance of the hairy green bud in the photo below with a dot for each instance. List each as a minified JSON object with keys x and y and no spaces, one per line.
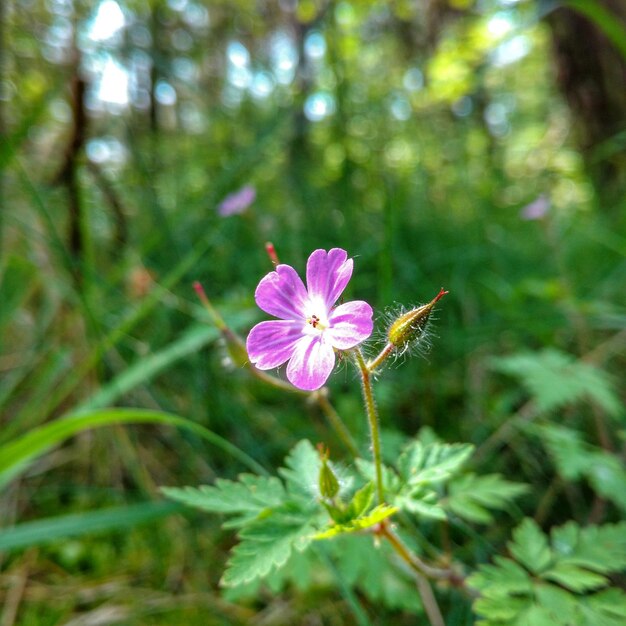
{"x":410,"y":327}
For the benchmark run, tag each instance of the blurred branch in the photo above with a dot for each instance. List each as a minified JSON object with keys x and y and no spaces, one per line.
{"x":68,"y":174}
{"x":111,"y":196}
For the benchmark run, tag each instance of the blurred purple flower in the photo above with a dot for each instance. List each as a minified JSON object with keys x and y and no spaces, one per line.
{"x":537,"y":209}
{"x":310,"y":327}
{"x":237,"y":202}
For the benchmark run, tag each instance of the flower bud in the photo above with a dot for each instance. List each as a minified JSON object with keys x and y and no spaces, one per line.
{"x":328,"y":483}
{"x":410,"y":327}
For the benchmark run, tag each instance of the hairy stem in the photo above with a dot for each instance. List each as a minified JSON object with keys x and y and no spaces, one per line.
{"x":374,"y":364}
{"x":372,"y":416}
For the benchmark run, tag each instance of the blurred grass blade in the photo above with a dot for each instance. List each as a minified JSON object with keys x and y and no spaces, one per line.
{"x":606,"y":21}
{"x":18,"y":278}
{"x":42,"y":379}
{"x":53,"y":528}
{"x":16,"y":455}
{"x":192,"y":340}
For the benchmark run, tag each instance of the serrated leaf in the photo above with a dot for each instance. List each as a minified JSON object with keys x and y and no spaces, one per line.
{"x":567,"y":449}
{"x":503,"y":578}
{"x":557,"y":601}
{"x":266,"y":544}
{"x":372,"y":570}
{"x":575,"y":459}
{"x":577,"y":563}
{"x":361,"y":500}
{"x":537,"y":615}
{"x":557,"y":379}
{"x":422,"y":502}
{"x":500,"y":609}
{"x":376,"y":515}
{"x":302,"y":468}
{"x":471,"y":496}
{"x":244,"y":499}
{"x":598,"y":548}
{"x":607,"y":475}
{"x":605,"y":608}
{"x":574,"y":577}
{"x":433,"y":463}
{"x":367,"y":469}
{"x":530,"y":547}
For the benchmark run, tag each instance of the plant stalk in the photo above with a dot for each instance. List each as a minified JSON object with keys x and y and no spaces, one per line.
{"x":372,"y":416}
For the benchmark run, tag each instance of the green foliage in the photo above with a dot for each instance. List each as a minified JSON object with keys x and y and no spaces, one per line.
{"x":427,"y":481}
{"x":277,"y":518}
{"x":439,"y":132}
{"x":18,"y":454}
{"x":561,"y":581}
{"x":375,"y":573}
{"x":556,"y":379}
{"x":362,"y":522}
{"x":245,"y":499}
{"x":43,"y":531}
{"x":267,"y":543}
{"x":471,"y":496}
{"x":274,"y":518}
{"x":575,"y":459}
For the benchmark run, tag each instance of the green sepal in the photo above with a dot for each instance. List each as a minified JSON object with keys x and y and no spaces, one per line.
{"x":375,"y":516}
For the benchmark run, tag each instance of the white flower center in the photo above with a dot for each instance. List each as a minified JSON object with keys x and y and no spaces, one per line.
{"x":317,"y":320}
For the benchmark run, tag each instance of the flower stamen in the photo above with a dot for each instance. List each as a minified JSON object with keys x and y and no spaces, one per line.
{"x":316,"y":322}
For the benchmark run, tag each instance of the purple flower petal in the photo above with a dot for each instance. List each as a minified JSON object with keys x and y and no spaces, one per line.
{"x":350,"y":324}
{"x":537,"y":209}
{"x":311,"y":364}
{"x":327,"y":274}
{"x":237,"y":202}
{"x":272,"y":343}
{"x":281,"y":293}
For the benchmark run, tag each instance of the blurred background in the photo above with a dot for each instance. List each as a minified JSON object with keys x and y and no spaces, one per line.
{"x":473,"y":145}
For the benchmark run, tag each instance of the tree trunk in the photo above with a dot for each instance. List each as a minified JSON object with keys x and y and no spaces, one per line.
{"x":591,"y":73}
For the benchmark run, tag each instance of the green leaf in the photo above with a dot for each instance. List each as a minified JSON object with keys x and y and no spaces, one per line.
{"x":377,"y":515}
{"x":55,"y":528}
{"x":500,"y":609}
{"x":17,"y":455}
{"x":302,"y":470}
{"x":245,"y":499}
{"x":367,"y":469}
{"x":373,"y":571}
{"x":574,"y":577}
{"x":575,"y":459}
{"x":267,"y":543}
{"x":530,"y":547}
{"x":577,"y":562}
{"x":561,"y":604}
{"x":605,"y":19}
{"x":504,"y":578}
{"x":18,"y":278}
{"x":433,"y":463}
{"x":606,"y":608}
{"x":598,"y":548}
{"x":606,"y":473}
{"x":556,"y":379}
{"x":471,"y":496}
{"x":566,"y":447}
{"x":361,"y":500}
{"x":422,"y":502}
{"x":150,"y":365}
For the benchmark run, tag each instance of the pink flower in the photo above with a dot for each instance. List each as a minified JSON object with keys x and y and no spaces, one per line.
{"x":537,"y":209}
{"x":310,"y":327}
{"x":237,"y":202}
